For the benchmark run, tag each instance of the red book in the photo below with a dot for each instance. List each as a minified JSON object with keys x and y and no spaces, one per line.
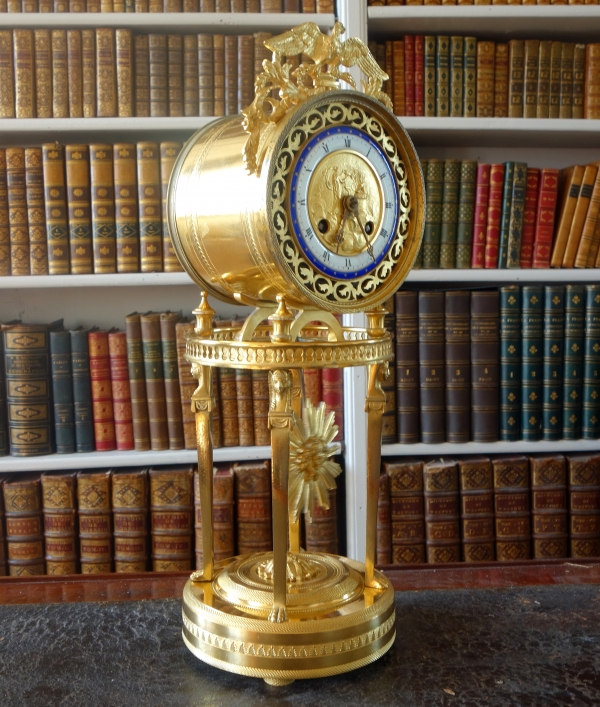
{"x":121,"y":394}
{"x":480,"y":217}
{"x":102,"y":405}
{"x":494,"y":217}
{"x":419,"y":75}
{"x":409,"y":74}
{"x":333,"y":396}
{"x":532,"y":191}
{"x":313,"y":385}
{"x":546,"y":211}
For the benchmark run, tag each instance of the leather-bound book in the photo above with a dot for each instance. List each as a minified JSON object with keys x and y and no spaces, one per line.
{"x":75,"y":72}
{"x":482,"y":193}
{"x":77,"y":162}
{"x":159,"y":97}
{"x":260,"y":408}
{"x":17,"y":211}
{"x":456,"y":76}
{"x":529,"y":215}
{"x":511,"y":508}
{"x":171,"y":514}
{"x":431,"y":367}
{"x":4,"y":219}
{"x":245,"y":71}
{"x":121,"y":395}
{"x":36,"y":211}
{"x":95,"y":521}
{"x":531,"y":61}
{"x":409,"y":74}
{"x":313,"y":385}
{"x":55,"y":194}
{"x":442,"y":76}
{"x":554,"y":331}
{"x":397,"y":76}
{"x":168,"y":320}
{"x":555,"y":75}
{"x":187,"y":385}
{"x":3,"y":411}
{"x":62,"y":391}
{"x":28,"y":396}
{"x":486,"y":54}
{"x":106,"y":69}
{"x":149,"y":206}
{"x":507,"y":190}
{"x":130,"y":519}
{"x":223,"y":517}
{"x":420,"y":75}
{"x":389,"y":434}
{"x":155,"y":382}
{"x":24,"y":73}
{"x":271,"y":6}
{"x":407,"y":367}
{"x":333,"y":397}
{"x":546,"y":208}
{"x":218,"y":78}
{"x":466,"y":213}
{"x":549,"y":506}
{"x":573,"y":361}
{"x":517,"y":207}
{"x":125,"y":72}
{"x":543,"y":86}
{"x":206,"y":67}
{"x":470,"y":77}
{"x":582,"y":208}
{"x":137,"y":383}
{"x":7,"y":98}
{"x":516,"y":59}
{"x":191,"y":61}
{"x":229,"y":411}
{"x":449,"y":213}
{"x":88,"y":72}
{"x":43,"y":72}
{"x":442,"y":513}
{"x":494,"y":215}
{"x":406,"y":510}
{"x":429,"y":76}
{"x":321,"y":531}
{"x":126,"y":208}
{"x":102,"y":404}
{"x":458,"y":365}
{"x":215,"y":420}
{"x":103,"y":208}
{"x":584,"y":505}
{"x":24,"y":529}
{"x":477,"y":509}
{"x":532,"y":360}
{"x":433,"y":214}
{"x":501,"y":81}
{"x":231,"y":74}
{"x":566,"y":80}
{"x":142,"y":76}
{"x":175,"y":74}
{"x":590,"y":242}
{"x":571,"y":179}
{"x":82,"y":391}
{"x":3,"y":551}
{"x":253,"y":507}
{"x":590,"y":422}
{"x":245,"y":411}
{"x":510,"y":363}
{"x":59,"y":490}
{"x":384,"y":522}
{"x":168,"y":155}
{"x":591,"y":107}
{"x":325,"y":6}
{"x":485,"y":342}
{"x":418,"y":263}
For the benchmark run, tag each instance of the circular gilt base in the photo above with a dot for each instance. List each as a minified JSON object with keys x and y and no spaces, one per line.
{"x":334,"y":623}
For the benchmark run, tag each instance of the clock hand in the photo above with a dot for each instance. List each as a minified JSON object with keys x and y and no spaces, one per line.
{"x":352,"y":206}
{"x":339,"y":238}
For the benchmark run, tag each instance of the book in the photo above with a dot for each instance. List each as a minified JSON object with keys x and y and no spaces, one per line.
{"x":214,"y":93}
{"x":60,"y":74}
{"x":36,"y":216}
{"x":579,"y":214}
{"x":157,"y":53}
{"x":187,"y":385}
{"x":450,"y":189}
{"x":82,"y":391}
{"x":121,"y":394}
{"x":53,"y":165}
{"x":245,"y":408}
{"x":555,"y":75}
{"x":566,"y":80}
{"x":482,"y":190}
{"x":333,"y":397}
{"x":407,"y":510}
{"x":320,"y":530}
{"x":442,"y":512}
{"x":260,"y":407}
{"x":155,"y":382}
{"x":191,"y":61}
{"x":75,"y":73}
{"x":168,"y":155}
{"x":223,"y":519}
{"x":512,"y":508}
{"x":59,"y":505}
{"x":532,"y":360}
{"x":407,"y":366}
{"x":409,"y":74}
{"x":103,"y":227}
{"x":544,"y":228}
{"x":313,"y":385}
{"x":584,"y":504}
{"x":95,"y":521}
{"x":516,"y":51}
{"x":485,"y":344}
{"x":590,"y":415}
{"x":389,"y":432}
{"x":543,"y":86}
{"x":3,"y":411}
{"x":549,"y":506}
{"x":589,"y":243}
{"x":591,"y":107}
{"x":397,"y":78}
{"x":442,"y":76}
{"x":573,"y":361}
{"x":88,"y":72}
{"x":433,"y":214}
{"x":419,"y":75}
{"x":486,"y":52}
{"x":532,"y":189}
{"x":62,"y":391}
{"x":517,"y":207}
{"x":168,"y":321}
{"x":17,"y":211}
{"x":531,"y":62}
{"x":456,"y":76}
{"x":458,"y":365}
{"x":24,"y":73}
{"x":106,"y":85}
{"x":77,"y":163}
{"x":24,"y":525}
{"x":142,"y":75}
{"x":130,"y":517}
{"x":3,"y":551}
{"x":126,"y":207}
{"x":510,"y":363}
{"x":477,"y":509}
{"x":149,"y":206}
{"x":175,"y":74}
{"x":171,"y":518}
{"x":466,"y":213}
{"x":253,"y":507}
{"x":507,"y":190}
{"x":230,"y":45}
{"x":7,"y":98}
{"x":383,"y":555}
{"x":430,"y":79}
{"x":102,"y":403}
{"x":4,"y":218}
{"x":245,"y":71}
{"x":554,"y":331}
{"x":470,"y":77}
{"x":229,"y":410}
{"x":431,"y":367}
{"x":494,"y":215}
{"x":501,"y":81}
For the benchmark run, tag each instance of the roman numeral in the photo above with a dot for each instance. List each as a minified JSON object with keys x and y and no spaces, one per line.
{"x":309,"y":232}
{"x":388,"y":204}
{"x":302,"y":202}
{"x":348,"y":262}
{"x":325,"y":146}
{"x":326,"y":255}
{"x":347,"y":142}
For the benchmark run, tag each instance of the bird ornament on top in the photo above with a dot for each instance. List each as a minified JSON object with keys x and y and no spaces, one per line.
{"x":277,"y":90}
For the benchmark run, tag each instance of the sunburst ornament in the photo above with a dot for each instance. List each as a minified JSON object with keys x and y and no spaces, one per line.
{"x":312,"y":473}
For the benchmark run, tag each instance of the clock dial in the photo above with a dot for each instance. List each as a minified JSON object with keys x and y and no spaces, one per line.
{"x":343,"y":202}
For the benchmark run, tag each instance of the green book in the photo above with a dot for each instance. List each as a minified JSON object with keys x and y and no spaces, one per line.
{"x":418,"y":264}
{"x":554,"y":334}
{"x":573,"y":361}
{"x":517,"y":206}
{"x":442,"y":76}
{"x":510,"y":363}
{"x":532,"y":361}
{"x":449,"y":213}
{"x":466,"y":213}
{"x":433,"y":214}
{"x":456,"y":76}
{"x":590,"y":417}
{"x":470,"y":77}
{"x":430,"y":94}
{"x":509,"y":169}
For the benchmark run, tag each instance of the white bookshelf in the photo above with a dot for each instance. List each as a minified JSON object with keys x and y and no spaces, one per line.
{"x":448,"y":449}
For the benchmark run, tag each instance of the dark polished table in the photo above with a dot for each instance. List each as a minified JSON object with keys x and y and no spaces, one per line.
{"x":501,"y":647}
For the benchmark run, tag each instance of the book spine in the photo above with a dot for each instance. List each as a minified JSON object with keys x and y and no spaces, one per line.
{"x":231,"y":74}
{"x":62,"y":391}
{"x":516,"y":52}
{"x":3,"y":551}
{"x":17,"y":211}
{"x":159,"y":96}
{"x":7,"y":97}
{"x":171,"y":513}
{"x":485,"y":344}
{"x":313,"y":385}
{"x":82,"y":391}
{"x":149,"y":191}
{"x":486,"y":52}
{"x":409,"y":74}
{"x":419,"y":75}
{"x":102,"y":405}
{"x":321,"y":528}
{"x":466,"y":213}
{"x":511,"y":508}
{"x":477,"y":510}
{"x":4,"y":218}
{"x":218,"y":77}
{"x":458,"y":366}
{"x":77,"y":163}
{"x":482,"y":192}
{"x":24,"y":73}
{"x":432,"y":367}
{"x":555,"y":76}
{"x":333,"y":397}
{"x":591,"y":107}
{"x":216,"y":421}
{"x":430,"y":77}
{"x":573,"y":361}
{"x":590,"y":422}
{"x":229,"y":408}
{"x":501,"y":81}
{"x":75,"y":73}
{"x":510,"y":363}
{"x":442,"y":513}
{"x":95,"y":521}
{"x":389,"y":433}
{"x":531,"y":61}
{"x":43,"y":73}
{"x":121,"y":395}
{"x":168,"y":320}
{"x":187,"y":385}
{"x":245,"y":71}
{"x":223,"y":517}
{"x":253,"y":507}
{"x":24,"y":527}
{"x":103,"y":231}
{"x":3,"y":419}
{"x":509,"y":172}
{"x":107,"y":106}
{"x":168,"y":155}
{"x":88,"y":72}
{"x":397,"y":77}
{"x":260,"y":408}
{"x":532,"y":347}
{"x":142,"y":76}
{"x":549,"y":506}
{"x":554,"y":331}
{"x":532,"y":190}
{"x":517,"y":207}
{"x":433,"y":214}
{"x":125,"y":72}
{"x":589,"y":243}
{"x":207,"y":78}
{"x":449,"y":213}
{"x":543,"y":86}
{"x":137,"y":383}
{"x":130,"y":512}
{"x":36,"y":211}
{"x":384,"y":523}
{"x":126,"y":208}
{"x":60,"y":535}
{"x":407,"y":511}
{"x":442,"y":76}
{"x":494,"y":215}
{"x":566,"y":80}
{"x":544,"y":227}
{"x":470,"y":77}
{"x":175,"y":74}
{"x":191,"y":60}
{"x":571,"y":186}
{"x":584,"y":505}
{"x":579,"y":215}
{"x":407,"y":367}
{"x":56,"y":208}
{"x":456,"y":76}
{"x":155,"y":383}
